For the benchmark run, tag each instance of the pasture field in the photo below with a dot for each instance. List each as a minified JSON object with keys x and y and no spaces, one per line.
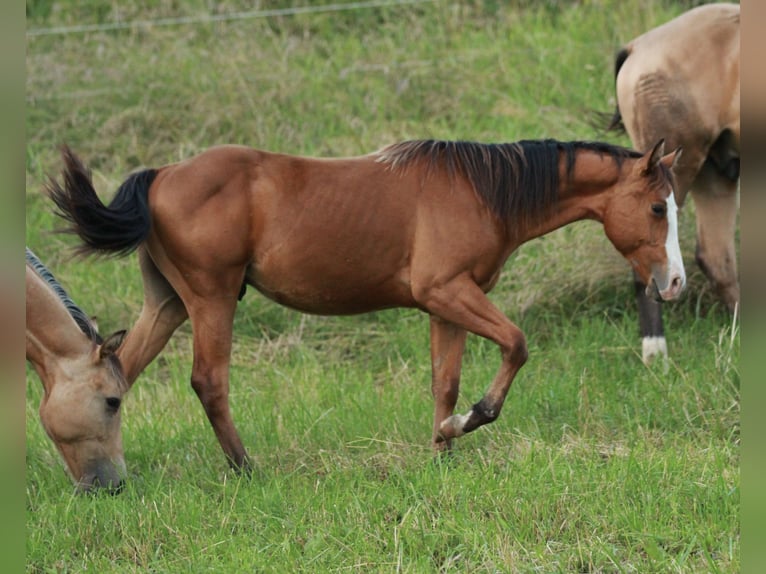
{"x":597,"y":463}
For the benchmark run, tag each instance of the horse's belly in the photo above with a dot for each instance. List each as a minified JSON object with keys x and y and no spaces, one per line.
{"x":333,"y":290}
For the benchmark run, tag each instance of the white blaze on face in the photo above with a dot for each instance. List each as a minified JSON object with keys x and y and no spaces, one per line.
{"x":672,"y":248}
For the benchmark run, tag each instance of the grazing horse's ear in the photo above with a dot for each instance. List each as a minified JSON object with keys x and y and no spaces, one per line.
{"x":654,"y":157}
{"x":111,"y":344}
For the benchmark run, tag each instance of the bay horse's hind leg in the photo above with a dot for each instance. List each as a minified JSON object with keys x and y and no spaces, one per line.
{"x":161,"y":314}
{"x":212,"y":320}
{"x":462,"y":302}
{"x":715,"y":201}
{"x":447,"y":346}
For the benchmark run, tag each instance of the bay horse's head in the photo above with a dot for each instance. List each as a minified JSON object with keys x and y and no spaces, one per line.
{"x":641,"y":221}
{"x":80,"y":412}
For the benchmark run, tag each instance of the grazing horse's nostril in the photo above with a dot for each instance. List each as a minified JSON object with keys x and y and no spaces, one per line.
{"x":117,"y":489}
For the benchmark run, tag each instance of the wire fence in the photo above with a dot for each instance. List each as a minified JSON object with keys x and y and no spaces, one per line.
{"x":423,"y":65}
{"x":212,"y":18}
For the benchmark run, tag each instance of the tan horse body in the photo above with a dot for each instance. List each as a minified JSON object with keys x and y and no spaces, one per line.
{"x":680,"y":81}
{"x":83,"y":385}
{"x":419,"y":224}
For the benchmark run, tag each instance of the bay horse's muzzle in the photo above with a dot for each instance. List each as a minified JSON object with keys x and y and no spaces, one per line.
{"x":672,"y":290}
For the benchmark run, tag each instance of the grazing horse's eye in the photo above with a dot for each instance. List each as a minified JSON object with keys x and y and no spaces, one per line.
{"x":113,"y":403}
{"x":659,"y":209}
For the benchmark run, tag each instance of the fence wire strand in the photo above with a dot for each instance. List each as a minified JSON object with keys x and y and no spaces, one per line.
{"x":211,"y":18}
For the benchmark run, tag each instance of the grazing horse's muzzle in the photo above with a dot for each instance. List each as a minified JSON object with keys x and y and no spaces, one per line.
{"x":103,"y":477}
{"x":672,"y":289}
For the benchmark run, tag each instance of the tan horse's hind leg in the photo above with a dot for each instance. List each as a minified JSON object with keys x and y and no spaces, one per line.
{"x":447,"y":346}
{"x":162,"y":313}
{"x":716,"y":203}
{"x":462,"y":302}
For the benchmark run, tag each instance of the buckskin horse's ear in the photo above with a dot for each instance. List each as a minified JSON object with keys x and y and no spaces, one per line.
{"x":111,"y":344}
{"x":654,"y":157}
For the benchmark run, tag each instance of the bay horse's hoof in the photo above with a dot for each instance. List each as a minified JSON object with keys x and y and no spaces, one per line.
{"x":452,"y":427}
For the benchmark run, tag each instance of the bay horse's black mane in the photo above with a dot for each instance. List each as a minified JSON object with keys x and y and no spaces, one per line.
{"x":517,"y":181}
{"x":79,"y":316}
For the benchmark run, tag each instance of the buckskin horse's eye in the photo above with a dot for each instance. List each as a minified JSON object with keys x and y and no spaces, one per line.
{"x":113,"y":404}
{"x":659,"y":209}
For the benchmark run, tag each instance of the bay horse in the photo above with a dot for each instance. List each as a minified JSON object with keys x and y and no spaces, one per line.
{"x":419,"y":224}
{"x":680,"y":81}
{"x":82,"y":380}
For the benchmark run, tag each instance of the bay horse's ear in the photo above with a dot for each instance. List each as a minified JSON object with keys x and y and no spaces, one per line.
{"x":654,"y":157}
{"x":111,"y":344}
{"x":671,"y":160}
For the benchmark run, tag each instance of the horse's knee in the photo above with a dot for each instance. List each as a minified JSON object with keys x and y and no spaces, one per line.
{"x":721,"y":268}
{"x":722,"y":272}
{"x":515,"y":349}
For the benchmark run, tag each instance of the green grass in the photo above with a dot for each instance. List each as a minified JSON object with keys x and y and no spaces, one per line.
{"x":597,"y":462}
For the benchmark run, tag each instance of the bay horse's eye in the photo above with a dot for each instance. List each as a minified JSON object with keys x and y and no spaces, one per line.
{"x":113,"y":403}
{"x":659,"y":209}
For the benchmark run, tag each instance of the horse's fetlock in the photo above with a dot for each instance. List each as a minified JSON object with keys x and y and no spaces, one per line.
{"x":487,"y":412}
{"x":482,"y":413}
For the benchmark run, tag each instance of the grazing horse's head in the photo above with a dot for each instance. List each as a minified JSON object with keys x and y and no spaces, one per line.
{"x":641,"y":221}
{"x":80,"y":411}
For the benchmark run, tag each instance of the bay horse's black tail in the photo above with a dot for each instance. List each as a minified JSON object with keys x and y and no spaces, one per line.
{"x":117,"y":229}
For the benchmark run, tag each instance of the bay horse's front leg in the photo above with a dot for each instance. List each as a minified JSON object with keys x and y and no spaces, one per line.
{"x":650,"y":323}
{"x":212,"y":321}
{"x":462,"y":302}
{"x":447,"y":346}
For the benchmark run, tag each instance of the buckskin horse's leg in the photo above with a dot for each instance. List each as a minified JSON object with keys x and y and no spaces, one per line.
{"x":447,"y":346}
{"x":715,"y":200}
{"x":461,"y":301}
{"x":162,"y":313}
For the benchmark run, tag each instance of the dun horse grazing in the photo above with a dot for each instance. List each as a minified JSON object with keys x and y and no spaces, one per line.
{"x":423,"y":224}
{"x":82,"y":380}
{"x":681,"y":81}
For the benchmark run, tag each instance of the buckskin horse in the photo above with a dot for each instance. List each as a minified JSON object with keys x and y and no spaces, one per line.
{"x":680,"y":81}
{"x":82,"y":380}
{"x":423,"y":224}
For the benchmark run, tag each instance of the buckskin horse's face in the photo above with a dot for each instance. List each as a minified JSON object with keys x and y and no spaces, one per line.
{"x":641,"y":221}
{"x":81,"y":414}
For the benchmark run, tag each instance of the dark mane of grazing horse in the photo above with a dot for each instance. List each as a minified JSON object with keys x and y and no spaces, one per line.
{"x":82,"y":320}
{"x":517,"y":181}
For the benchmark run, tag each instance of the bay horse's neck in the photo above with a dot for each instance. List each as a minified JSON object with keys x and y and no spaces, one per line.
{"x":583,"y":193}
{"x":52,"y":335}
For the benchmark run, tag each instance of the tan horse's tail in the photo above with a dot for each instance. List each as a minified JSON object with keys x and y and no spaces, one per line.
{"x":116,"y":229}
{"x":615,"y":124}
